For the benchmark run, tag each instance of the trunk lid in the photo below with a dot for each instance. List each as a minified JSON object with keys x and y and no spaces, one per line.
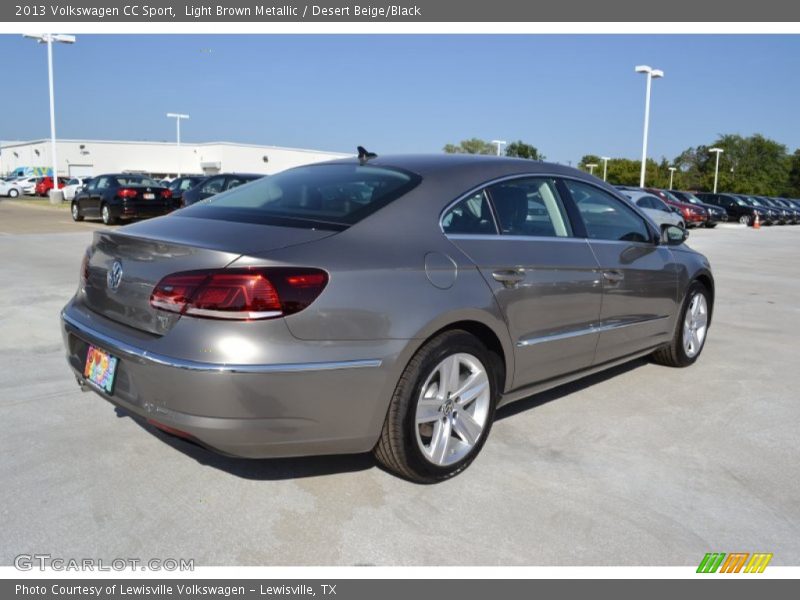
{"x":126,"y":264}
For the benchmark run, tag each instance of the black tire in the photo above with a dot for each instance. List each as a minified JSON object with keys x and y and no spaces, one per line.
{"x":674,"y":354}
{"x":105,"y":214}
{"x":397,"y":449}
{"x":12,"y":193}
{"x":75,"y":209}
{"x":710,"y":225}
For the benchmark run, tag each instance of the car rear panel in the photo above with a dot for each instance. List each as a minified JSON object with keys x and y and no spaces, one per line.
{"x":145,"y":256}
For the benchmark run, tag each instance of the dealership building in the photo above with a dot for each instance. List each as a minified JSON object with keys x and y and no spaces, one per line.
{"x":161,"y":159}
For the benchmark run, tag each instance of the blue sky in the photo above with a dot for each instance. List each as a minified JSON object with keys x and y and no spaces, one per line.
{"x":567,"y":94}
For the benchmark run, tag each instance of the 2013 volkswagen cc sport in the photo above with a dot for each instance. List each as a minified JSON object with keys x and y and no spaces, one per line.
{"x":385,"y":304}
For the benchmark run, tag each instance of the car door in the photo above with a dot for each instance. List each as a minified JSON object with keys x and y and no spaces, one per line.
{"x":96,"y":192}
{"x":640,"y":276}
{"x":544,"y":279}
{"x":84,"y":197}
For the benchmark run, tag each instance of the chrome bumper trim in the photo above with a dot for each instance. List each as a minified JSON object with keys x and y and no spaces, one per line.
{"x":116,"y":347}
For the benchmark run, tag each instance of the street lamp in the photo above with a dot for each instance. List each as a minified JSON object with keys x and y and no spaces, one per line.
{"x":178,"y":117}
{"x":499,"y":143}
{"x":605,"y":160}
{"x":651,"y":74}
{"x":49,"y":38}
{"x":591,"y":167}
{"x":716,"y":151}
{"x":671,"y":173}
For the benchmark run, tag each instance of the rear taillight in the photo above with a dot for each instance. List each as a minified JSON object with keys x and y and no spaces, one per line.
{"x":240,"y":294}
{"x":126,"y":193}
{"x":166,"y":194}
{"x":85,"y":267}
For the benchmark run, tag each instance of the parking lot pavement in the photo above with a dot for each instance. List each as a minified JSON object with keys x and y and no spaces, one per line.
{"x":644,"y":466}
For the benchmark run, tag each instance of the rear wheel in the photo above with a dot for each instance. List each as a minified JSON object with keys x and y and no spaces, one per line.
{"x":105,"y":213}
{"x":690,"y":329}
{"x":13,"y":193}
{"x":442,"y":409}
{"x":744,"y":219}
{"x":710,"y":225}
{"x":76,"y":212}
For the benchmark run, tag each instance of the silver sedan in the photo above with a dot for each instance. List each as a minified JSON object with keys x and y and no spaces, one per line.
{"x":384,"y":304}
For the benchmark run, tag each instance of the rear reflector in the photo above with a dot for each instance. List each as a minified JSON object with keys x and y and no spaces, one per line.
{"x":239,"y":294}
{"x":171,"y":430}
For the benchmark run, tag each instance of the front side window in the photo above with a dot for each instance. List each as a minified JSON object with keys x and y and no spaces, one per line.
{"x":606,"y":217}
{"x":530,"y":207}
{"x":213,"y":186}
{"x":470,"y":216}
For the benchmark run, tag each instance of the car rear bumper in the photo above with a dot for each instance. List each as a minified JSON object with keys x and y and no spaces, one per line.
{"x":250,"y":410}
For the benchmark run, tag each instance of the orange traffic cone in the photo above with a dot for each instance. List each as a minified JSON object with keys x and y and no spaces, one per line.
{"x":757,"y":223}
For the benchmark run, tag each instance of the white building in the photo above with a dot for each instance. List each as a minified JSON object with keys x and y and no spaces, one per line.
{"x":160,"y":159}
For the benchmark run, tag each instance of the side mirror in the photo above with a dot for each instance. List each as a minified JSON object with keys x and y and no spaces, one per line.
{"x":673,"y":236}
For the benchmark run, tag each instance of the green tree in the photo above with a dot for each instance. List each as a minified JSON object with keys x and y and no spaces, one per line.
{"x":520,"y":149}
{"x":471,"y":146}
{"x":792,"y":188}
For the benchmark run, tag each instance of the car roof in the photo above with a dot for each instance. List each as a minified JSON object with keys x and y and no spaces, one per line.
{"x":636,"y":194}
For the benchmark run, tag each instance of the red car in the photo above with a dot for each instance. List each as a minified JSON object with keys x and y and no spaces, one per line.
{"x":45,"y":184}
{"x":693,"y":215}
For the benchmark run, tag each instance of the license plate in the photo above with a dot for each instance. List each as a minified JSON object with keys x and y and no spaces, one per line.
{"x":100,"y":369}
{"x":149,"y":196}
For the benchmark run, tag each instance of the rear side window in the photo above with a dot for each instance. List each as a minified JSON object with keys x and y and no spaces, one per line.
{"x":530,"y":207}
{"x":606,"y":217}
{"x":324,"y":195}
{"x":470,"y":216}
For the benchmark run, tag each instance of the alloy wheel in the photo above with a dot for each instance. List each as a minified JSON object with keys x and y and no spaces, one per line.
{"x":452,"y":409}
{"x":695,"y":325}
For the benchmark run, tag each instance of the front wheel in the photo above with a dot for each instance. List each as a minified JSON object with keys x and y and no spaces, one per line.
{"x":76,"y":212}
{"x":442,"y":409}
{"x":710,"y":225}
{"x":744,"y":220}
{"x":691,"y":328}
{"x":12,"y":193}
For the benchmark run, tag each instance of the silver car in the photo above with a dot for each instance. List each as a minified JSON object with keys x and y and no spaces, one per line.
{"x":384,"y":304}
{"x":655,"y":208}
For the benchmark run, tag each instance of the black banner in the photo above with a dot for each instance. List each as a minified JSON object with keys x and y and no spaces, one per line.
{"x":397,"y":11}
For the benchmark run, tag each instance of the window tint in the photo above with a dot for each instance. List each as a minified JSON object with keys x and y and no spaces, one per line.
{"x":73,"y":182}
{"x":471,"y":215}
{"x":644,"y":202}
{"x":335,"y":195}
{"x":137,"y":180}
{"x":213,"y":186}
{"x":606,"y":217}
{"x":103,"y":183}
{"x":530,"y":207}
{"x":234,"y":182}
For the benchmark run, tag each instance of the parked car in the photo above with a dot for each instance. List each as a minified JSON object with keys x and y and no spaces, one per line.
{"x":45,"y":184}
{"x":794,"y":212}
{"x":785,"y":215}
{"x":388,"y":304}
{"x":121,"y":196}
{"x":215,"y":184}
{"x":27,"y":184}
{"x":716,"y":214}
{"x":11,"y":188}
{"x":693,"y":215}
{"x":773,"y":215}
{"x":73,"y":185}
{"x":182,"y":184}
{"x":655,"y":208}
{"x":737,"y":207}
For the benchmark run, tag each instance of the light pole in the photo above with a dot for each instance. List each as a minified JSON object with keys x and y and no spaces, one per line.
{"x":591,"y":167}
{"x":605,"y":160}
{"x":178,"y":117}
{"x":499,"y":143}
{"x":651,"y":74}
{"x":671,"y":173}
{"x":49,"y":38}
{"x":716,"y":151}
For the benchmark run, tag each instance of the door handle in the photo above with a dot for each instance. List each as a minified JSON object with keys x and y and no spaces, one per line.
{"x":613,"y":276}
{"x":509,"y":277}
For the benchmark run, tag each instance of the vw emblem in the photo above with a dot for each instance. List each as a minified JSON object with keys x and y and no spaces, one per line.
{"x":114,"y":277}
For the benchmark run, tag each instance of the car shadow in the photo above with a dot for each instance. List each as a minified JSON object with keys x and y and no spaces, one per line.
{"x":276,"y":469}
{"x":266,"y":469}
{"x":536,"y":400}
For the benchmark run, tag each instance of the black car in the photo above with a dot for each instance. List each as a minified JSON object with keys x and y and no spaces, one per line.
{"x":183,"y":184}
{"x":116,"y":196}
{"x":716,"y":214}
{"x":737,"y":208}
{"x":786,"y":214}
{"x":215,"y":184}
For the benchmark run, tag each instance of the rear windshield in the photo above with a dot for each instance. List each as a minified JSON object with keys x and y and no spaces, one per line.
{"x":137,"y":180}
{"x":330,"y":196}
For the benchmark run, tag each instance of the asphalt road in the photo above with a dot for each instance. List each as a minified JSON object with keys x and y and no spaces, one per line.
{"x":644,"y":465}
